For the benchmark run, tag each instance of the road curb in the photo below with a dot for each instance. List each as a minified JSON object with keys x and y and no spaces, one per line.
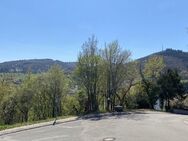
{"x":60,"y":121}
{"x":34,"y":126}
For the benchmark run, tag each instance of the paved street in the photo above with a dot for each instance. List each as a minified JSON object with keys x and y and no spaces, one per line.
{"x":135,"y":126}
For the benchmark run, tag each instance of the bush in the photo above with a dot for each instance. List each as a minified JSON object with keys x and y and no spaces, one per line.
{"x":137,"y":98}
{"x":142,"y":100}
{"x":82,"y":100}
{"x":9,"y":110}
{"x":70,"y":105}
{"x":130,"y":101}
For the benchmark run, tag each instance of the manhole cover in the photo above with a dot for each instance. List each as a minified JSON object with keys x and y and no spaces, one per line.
{"x":109,"y":139}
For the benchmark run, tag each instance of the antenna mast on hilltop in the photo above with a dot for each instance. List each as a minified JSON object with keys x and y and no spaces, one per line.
{"x":162,"y":47}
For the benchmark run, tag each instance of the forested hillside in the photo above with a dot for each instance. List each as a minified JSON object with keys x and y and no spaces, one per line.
{"x":34,"y":66}
{"x":174,"y":59}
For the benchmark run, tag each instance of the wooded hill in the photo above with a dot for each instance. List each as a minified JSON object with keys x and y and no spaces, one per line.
{"x":34,"y":66}
{"x":174,"y":59}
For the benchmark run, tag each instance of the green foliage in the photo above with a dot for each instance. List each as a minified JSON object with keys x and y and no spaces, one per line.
{"x":56,"y":79}
{"x":88,"y":72}
{"x":131,"y":101}
{"x":75,"y":104}
{"x":154,"y":67}
{"x":139,"y":96}
{"x":8,"y":110}
{"x":117,"y":74}
{"x":102,"y":79}
{"x":8,"y":102}
{"x":170,"y":86}
{"x":105,"y":75}
{"x":26,"y":93}
{"x":38,"y":97}
{"x":41,"y":102}
{"x":81,"y":97}
{"x":71,"y":106}
{"x":152,"y":70}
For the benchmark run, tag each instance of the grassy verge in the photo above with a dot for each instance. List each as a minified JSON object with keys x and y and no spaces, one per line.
{"x":3,"y":127}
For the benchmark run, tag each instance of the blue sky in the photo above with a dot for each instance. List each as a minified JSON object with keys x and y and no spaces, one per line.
{"x":57,"y":28}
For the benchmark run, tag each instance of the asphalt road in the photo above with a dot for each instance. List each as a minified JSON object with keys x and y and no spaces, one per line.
{"x":135,"y":126}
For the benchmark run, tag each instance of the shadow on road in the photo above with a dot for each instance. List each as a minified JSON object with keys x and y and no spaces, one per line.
{"x":137,"y":115}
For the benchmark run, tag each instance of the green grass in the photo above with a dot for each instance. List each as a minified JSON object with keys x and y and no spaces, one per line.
{"x":3,"y":127}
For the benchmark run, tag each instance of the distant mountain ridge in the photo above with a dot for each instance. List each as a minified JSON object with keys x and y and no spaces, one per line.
{"x":174,"y":59}
{"x":34,"y":65}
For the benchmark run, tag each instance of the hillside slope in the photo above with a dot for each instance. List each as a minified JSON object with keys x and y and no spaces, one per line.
{"x":34,"y":65}
{"x":174,"y":59}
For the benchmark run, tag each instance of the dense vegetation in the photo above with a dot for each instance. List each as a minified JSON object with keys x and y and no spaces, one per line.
{"x":103,"y":78}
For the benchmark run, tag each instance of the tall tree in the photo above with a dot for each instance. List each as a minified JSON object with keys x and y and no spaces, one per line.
{"x":152,"y":70}
{"x":41,"y":102}
{"x":130,"y":80}
{"x":88,"y":72}
{"x":115,"y":68}
{"x":25,"y":95}
{"x":56,"y":85}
